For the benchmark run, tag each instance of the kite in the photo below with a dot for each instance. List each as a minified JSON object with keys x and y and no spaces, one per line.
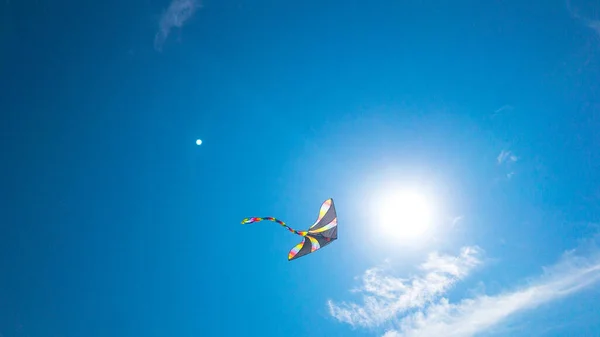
{"x":319,"y":235}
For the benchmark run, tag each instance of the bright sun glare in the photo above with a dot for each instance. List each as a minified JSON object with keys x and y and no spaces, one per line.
{"x":405,"y":215}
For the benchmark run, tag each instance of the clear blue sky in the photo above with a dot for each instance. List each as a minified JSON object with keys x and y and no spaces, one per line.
{"x":113,"y":222}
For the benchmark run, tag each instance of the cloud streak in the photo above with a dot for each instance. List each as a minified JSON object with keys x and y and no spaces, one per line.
{"x":176,"y":15}
{"x":502,"y":109}
{"x":590,"y":23}
{"x":387,"y":296}
{"x":506,"y":157}
{"x":595,"y":25}
{"x":575,"y":271}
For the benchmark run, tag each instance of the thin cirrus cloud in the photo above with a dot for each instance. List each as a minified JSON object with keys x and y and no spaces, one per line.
{"x":176,"y":15}
{"x":432,"y":315}
{"x":506,"y":157}
{"x":386,"y":297}
{"x":457,"y":220}
{"x":503,"y":109}
{"x":593,"y":24}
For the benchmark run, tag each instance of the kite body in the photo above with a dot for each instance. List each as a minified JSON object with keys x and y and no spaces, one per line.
{"x":319,"y":235}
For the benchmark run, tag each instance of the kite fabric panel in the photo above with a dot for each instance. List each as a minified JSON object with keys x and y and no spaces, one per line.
{"x":319,"y":235}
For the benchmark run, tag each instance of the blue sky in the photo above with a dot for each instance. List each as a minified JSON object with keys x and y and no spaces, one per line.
{"x":115,"y":223}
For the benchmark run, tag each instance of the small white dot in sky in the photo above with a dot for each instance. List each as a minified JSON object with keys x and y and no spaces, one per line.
{"x":198,"y":141}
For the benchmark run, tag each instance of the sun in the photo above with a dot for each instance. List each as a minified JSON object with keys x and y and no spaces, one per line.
{"x":404,"y":215}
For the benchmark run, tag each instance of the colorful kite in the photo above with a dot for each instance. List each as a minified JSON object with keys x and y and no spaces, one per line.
{"x":319,"y":235}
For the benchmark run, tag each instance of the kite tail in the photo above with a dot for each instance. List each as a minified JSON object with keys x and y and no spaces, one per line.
{"x":269,"y":218}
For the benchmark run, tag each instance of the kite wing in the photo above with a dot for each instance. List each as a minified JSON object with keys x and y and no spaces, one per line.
{"x":320,"y":234}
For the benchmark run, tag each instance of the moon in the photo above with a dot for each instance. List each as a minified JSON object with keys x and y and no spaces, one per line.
{"x":198,"y":141}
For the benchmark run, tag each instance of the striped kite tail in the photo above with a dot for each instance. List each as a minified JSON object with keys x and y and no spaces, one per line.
{"x":269,"y":218}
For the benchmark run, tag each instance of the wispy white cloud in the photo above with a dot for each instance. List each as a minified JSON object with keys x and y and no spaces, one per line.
{"x":386,"y":296}
{"x":575,"y":271}
{"x":593,"y":24}
{"x":176,"y":15}
{"x":506,"y":156}
{"x":457,"y":220}
{"x":502,"y":109}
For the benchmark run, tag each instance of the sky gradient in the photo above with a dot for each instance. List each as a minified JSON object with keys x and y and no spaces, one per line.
{"x":113,"y":222}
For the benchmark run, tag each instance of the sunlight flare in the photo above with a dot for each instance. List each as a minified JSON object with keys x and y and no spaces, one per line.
{"x":404,"y":215}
